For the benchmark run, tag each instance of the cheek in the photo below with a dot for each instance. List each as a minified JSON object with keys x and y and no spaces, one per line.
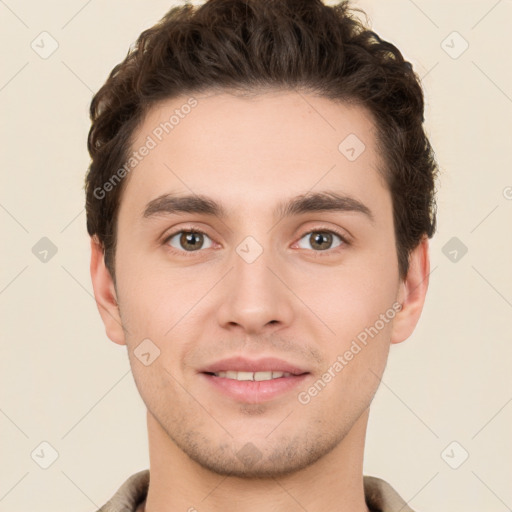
{"x":154,"y":296}
{"x":350,"y":298}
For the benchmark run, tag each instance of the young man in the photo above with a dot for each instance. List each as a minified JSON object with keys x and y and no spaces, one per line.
{"x":259,"y":201}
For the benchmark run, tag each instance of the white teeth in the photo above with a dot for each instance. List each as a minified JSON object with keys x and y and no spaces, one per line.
{"x":256,"y":376}
{"x":264,"y":375}
{"x":244,"y":376}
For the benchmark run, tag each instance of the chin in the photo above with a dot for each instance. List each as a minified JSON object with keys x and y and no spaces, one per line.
{"x":260,"y":459}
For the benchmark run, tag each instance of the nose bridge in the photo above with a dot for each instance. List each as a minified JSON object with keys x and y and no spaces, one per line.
{"x":253,"y":296}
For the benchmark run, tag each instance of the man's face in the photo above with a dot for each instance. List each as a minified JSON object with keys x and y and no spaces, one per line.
{"x":257,"y":289}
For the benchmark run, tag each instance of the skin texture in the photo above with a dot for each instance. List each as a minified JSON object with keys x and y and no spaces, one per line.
{"x":294,"y":302}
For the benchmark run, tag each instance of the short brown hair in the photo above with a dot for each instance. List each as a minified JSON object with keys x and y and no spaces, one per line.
{"x":248,"y":45}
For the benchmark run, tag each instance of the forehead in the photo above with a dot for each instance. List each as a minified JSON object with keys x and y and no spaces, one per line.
{"x":253,"y":150}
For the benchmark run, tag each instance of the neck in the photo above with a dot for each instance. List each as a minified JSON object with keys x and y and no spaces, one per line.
{"x":333,"y":483}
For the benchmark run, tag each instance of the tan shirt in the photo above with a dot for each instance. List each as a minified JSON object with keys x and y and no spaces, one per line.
{"x":380,"y":496}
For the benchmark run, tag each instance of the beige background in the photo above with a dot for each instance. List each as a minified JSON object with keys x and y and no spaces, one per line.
{"x":64,"y":382}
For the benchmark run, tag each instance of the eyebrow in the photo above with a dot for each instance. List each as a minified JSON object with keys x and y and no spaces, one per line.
{"x":167,"y":204}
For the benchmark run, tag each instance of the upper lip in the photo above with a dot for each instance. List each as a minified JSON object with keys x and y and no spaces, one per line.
{"x":243,"y":364}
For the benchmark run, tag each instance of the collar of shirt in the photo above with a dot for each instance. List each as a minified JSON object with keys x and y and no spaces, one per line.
{"x":379,"y":495}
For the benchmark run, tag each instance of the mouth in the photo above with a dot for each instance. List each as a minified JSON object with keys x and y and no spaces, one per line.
{"x":253,"y":376}
{"x":253,"y":381}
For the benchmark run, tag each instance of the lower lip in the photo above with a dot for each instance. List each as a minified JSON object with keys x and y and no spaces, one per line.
{"x":249,"y":391}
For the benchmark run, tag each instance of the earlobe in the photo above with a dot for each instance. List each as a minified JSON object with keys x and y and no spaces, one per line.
{"x":412,"y":292}
{"x":105,"y":294}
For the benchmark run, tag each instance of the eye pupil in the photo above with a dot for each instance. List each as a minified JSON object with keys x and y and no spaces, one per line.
{"x":319,"y":237}
{"x":189,"y":240}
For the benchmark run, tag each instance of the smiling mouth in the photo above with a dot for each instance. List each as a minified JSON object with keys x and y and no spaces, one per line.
{"x":245,"y":386}
{"x":253,"y":376}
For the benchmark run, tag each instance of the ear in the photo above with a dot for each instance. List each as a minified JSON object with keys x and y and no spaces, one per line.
{"x":412,"y":292}
{"x":105,"y":294}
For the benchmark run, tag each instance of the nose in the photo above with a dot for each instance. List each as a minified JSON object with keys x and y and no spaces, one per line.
{"x":254,"y":298}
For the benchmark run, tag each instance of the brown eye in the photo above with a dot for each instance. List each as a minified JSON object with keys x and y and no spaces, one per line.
{"x":320,"y":240}
{"x":189,"y":241}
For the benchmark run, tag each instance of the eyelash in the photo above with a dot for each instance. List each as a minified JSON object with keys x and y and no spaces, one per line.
{"x":193,"y":229}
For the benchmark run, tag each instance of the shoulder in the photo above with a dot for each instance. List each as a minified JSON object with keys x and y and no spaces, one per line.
{"x":381,"y":497}
{"x":130,"y":494}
